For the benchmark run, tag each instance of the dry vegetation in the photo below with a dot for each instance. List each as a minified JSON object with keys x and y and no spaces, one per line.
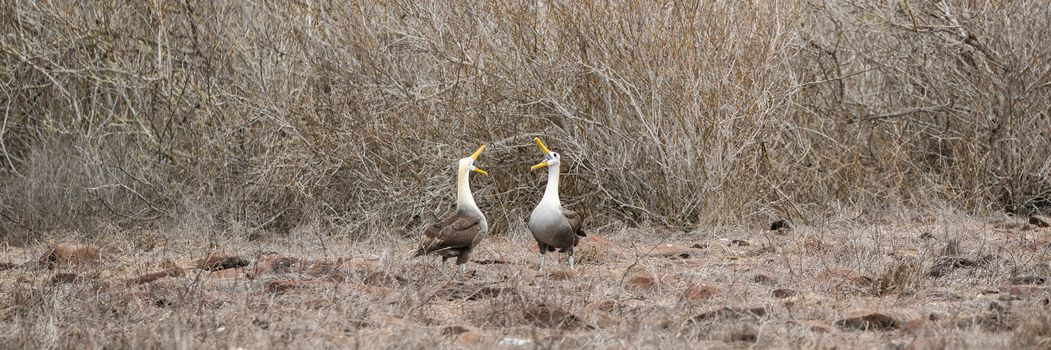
{"x":161,"y":130}
{"x":945,"y":282}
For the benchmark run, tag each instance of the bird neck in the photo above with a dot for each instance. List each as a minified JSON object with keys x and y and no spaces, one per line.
{"x":464,"y":198}
{"x":551,"y":193}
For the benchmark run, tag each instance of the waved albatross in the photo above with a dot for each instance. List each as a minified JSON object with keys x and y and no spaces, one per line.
{"x":553,"y":226}
{"x":460,"y":232}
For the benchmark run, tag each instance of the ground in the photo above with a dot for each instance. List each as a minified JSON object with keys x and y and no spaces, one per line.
{"x":924,"y":283}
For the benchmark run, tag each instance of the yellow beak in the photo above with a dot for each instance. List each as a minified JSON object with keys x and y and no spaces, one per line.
{"x":541,"y":145}
{"x":478,"y":152}
{"x":538,"y":166}
{"x":480,"y":171}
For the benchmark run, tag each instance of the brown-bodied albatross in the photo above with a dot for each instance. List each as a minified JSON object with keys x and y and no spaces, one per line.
{"x":459,"y":233}
{"x":553,"y":226}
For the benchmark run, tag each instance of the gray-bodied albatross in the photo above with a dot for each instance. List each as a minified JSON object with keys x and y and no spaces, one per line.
{"x":553,"y":226}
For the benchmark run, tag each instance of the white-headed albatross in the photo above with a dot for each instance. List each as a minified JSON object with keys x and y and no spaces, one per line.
{"x":460,"y":232}
{"x":553,"y":226}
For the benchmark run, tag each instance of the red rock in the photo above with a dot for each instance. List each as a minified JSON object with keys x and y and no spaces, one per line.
{"x":869,"y":320}
{"x":221,"y":260}
{"x":228,"y":273}
{"x":701,"y":292}
{"x":644,"y":280}
{"x":472,"y":337}
{"x":70,"y":255}
{"x":553,"y":317}
{"x":1039,"y":220}
{"x":281,"y":286}
{"x":150,"y":277}
{"x":672,"y":251}
{"x":816,"y":326}
{"x":603,"y":305}
{"x":273,"y":264}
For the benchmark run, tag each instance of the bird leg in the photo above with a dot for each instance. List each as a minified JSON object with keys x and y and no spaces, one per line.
{"x":463,"y":268}
{"x":571,"y":260}
{"x":541,"y":262}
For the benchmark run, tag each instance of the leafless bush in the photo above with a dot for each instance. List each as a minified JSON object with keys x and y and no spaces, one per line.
{"x":266,"y":115}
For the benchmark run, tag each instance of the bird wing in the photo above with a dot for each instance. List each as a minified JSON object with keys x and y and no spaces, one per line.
{"x":456,"y":231}
{"x":576,"y":222}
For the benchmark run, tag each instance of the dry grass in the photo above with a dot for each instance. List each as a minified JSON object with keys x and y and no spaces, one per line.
{"x":383,"y":299}
{"x":261,"y":117}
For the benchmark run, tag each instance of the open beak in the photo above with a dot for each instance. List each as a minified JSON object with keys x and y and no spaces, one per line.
{"x":541,"y":145}
{"x":542,"y":148}
{"x":477,"y":153}
{"x":474,"y":156}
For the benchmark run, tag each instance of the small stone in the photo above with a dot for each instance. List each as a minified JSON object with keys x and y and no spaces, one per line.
{"x":66,"y":254}
{"x":672,"y":251}
{"x":220,"y":261}
{"x":739,"y":243}
{"x":1039,"y":220}
{"x":868,"y":320}
{"x":782,"y":293}
{"x":701,"y":292}
{"x":780,"y":225}
{"x":544,"y":315}
{"x":748,"y":334}
{"x":644,"y":280}
{"x":273,"y":264}
{"x":764,"y":279}
{"x":1020,"y":280}
{"x":228,"y":273}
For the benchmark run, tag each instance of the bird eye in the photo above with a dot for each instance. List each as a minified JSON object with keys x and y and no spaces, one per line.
{"x":553,"y":154}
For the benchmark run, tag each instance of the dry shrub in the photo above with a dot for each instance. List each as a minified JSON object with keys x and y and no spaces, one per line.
{"x":267,"y":116}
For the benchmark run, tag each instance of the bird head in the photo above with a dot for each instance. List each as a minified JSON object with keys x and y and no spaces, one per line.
{"x":467,"y":163}
{"x":550,"y":158}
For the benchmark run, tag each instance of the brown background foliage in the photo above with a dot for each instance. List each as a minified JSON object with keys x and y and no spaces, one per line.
{"x":268,"y":115}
